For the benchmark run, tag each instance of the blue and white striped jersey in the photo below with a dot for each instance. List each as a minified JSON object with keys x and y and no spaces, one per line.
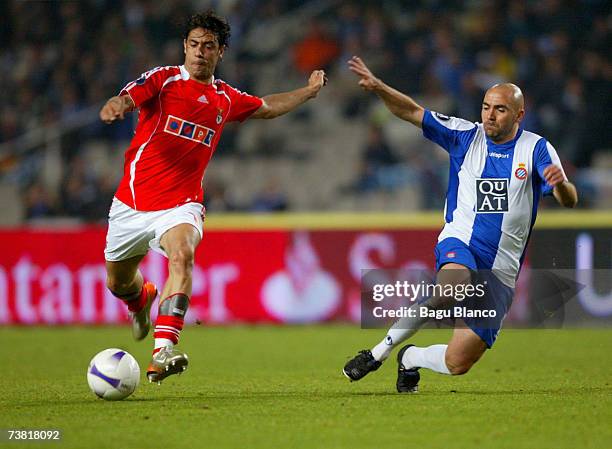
{"x":493,"y":190}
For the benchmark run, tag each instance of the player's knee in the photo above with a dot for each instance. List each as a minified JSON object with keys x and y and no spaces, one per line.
{"x":181,"y":259}
{"x":458,"y":365}
{"x":117,"y":285}
{"x":458,"y":370}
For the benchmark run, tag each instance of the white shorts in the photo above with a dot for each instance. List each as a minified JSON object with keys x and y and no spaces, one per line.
{"x":131,"y":233}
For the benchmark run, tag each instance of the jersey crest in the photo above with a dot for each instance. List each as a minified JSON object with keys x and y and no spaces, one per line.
{"x":521,"y":172}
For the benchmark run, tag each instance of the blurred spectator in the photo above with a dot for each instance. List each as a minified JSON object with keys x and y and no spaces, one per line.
{"x":596,"y":131}
{"x":38,"y":202}
{"x":271,"y":199}
{"x":376,"y":160}
{"x":407,"y":73}
{"x":216,"y":197}
{"x":80,"y":192}
{"x":316,"y":50}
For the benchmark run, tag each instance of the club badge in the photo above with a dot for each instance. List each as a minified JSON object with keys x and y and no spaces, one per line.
{"x":521,"y":172}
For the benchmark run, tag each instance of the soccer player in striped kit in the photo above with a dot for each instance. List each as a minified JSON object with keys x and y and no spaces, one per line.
{"x":158,"y":204}
{"x":498,"y":172}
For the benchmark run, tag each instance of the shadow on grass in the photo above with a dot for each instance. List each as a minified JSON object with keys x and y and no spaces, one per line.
{"x":92,"y":401}
{"x":569,"y":391}
{"x":258,"y":395}
{"x":307,"y":395}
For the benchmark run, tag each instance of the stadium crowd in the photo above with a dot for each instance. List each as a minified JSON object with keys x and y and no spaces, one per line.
{"x":59,"y":58}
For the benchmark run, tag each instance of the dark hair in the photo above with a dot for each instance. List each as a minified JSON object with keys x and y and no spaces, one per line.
{"x":211,"y":22}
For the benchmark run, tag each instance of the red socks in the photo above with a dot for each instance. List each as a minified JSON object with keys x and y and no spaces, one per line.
{"x":167,"y":328}
{"x":170,"y":320}
{"x":134,"y":301}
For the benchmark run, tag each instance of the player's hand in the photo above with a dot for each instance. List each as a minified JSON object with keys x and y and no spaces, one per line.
{"x":367,"y":80}
{"x":113,"y":109}
{"x":317,"y":80}
{"x":554,"y":175}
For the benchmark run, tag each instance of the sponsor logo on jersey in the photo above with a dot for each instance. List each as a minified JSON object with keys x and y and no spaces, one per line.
{"x":203,"y":99}
{"x":203,"y":134}
{"x":451,"y":254}
{"x":491,"y":195}
{"x":499,"y":155}
{"x":173,"y":125}
{"x":187,"y":130}
{"x":442,"y":116}
{"x":521,"y":172}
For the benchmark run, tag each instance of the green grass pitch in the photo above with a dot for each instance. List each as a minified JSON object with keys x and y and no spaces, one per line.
{"x":268,"y":386}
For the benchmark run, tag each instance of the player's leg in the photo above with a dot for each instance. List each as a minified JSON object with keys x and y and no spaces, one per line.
{"x":127,"y":242}
{"x":123,"y":277}
{"x":462,"y":352}
{"x":125,"y":281}
{"x":450,"y":274}
{"x":179,"y":243}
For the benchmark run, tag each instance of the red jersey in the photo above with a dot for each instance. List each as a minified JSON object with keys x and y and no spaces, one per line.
{"x":179,"y":126}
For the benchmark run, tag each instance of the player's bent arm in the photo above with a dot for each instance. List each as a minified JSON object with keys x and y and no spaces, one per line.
{"x":564,"y":191}
{"x":116,"y":107}
{"x":279,"y":104}
{"x":400,"y":105}
{"x":566,"y":194}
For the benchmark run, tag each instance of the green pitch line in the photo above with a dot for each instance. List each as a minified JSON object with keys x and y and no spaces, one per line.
{"x":265,"y":387}
{"x":386,"y":221}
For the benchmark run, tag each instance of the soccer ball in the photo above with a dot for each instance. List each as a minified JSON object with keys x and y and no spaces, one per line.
{"x":113,"y":374}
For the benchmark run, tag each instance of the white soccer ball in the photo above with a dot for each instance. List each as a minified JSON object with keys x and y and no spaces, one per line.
{"x":113,"y":374}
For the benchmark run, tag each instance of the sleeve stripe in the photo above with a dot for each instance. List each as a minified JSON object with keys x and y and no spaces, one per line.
{"x":454,"y":123}
{"x":554,"y":157}
{"x":145,"y":75}
{"x":130,"y":95}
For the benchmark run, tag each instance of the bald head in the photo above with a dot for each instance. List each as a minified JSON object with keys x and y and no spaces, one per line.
{"x":503,"y":108}
{"x":512,"y":92}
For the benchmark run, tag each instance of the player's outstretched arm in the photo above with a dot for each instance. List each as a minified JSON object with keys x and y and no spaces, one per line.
{"x":279,"y":104}
{"x":398,"y":103}
{"x":115,"y":108}
{"x":564,"y":191}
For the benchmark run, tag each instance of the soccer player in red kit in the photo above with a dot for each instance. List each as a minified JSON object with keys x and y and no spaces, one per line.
{"x":158,"y":204}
